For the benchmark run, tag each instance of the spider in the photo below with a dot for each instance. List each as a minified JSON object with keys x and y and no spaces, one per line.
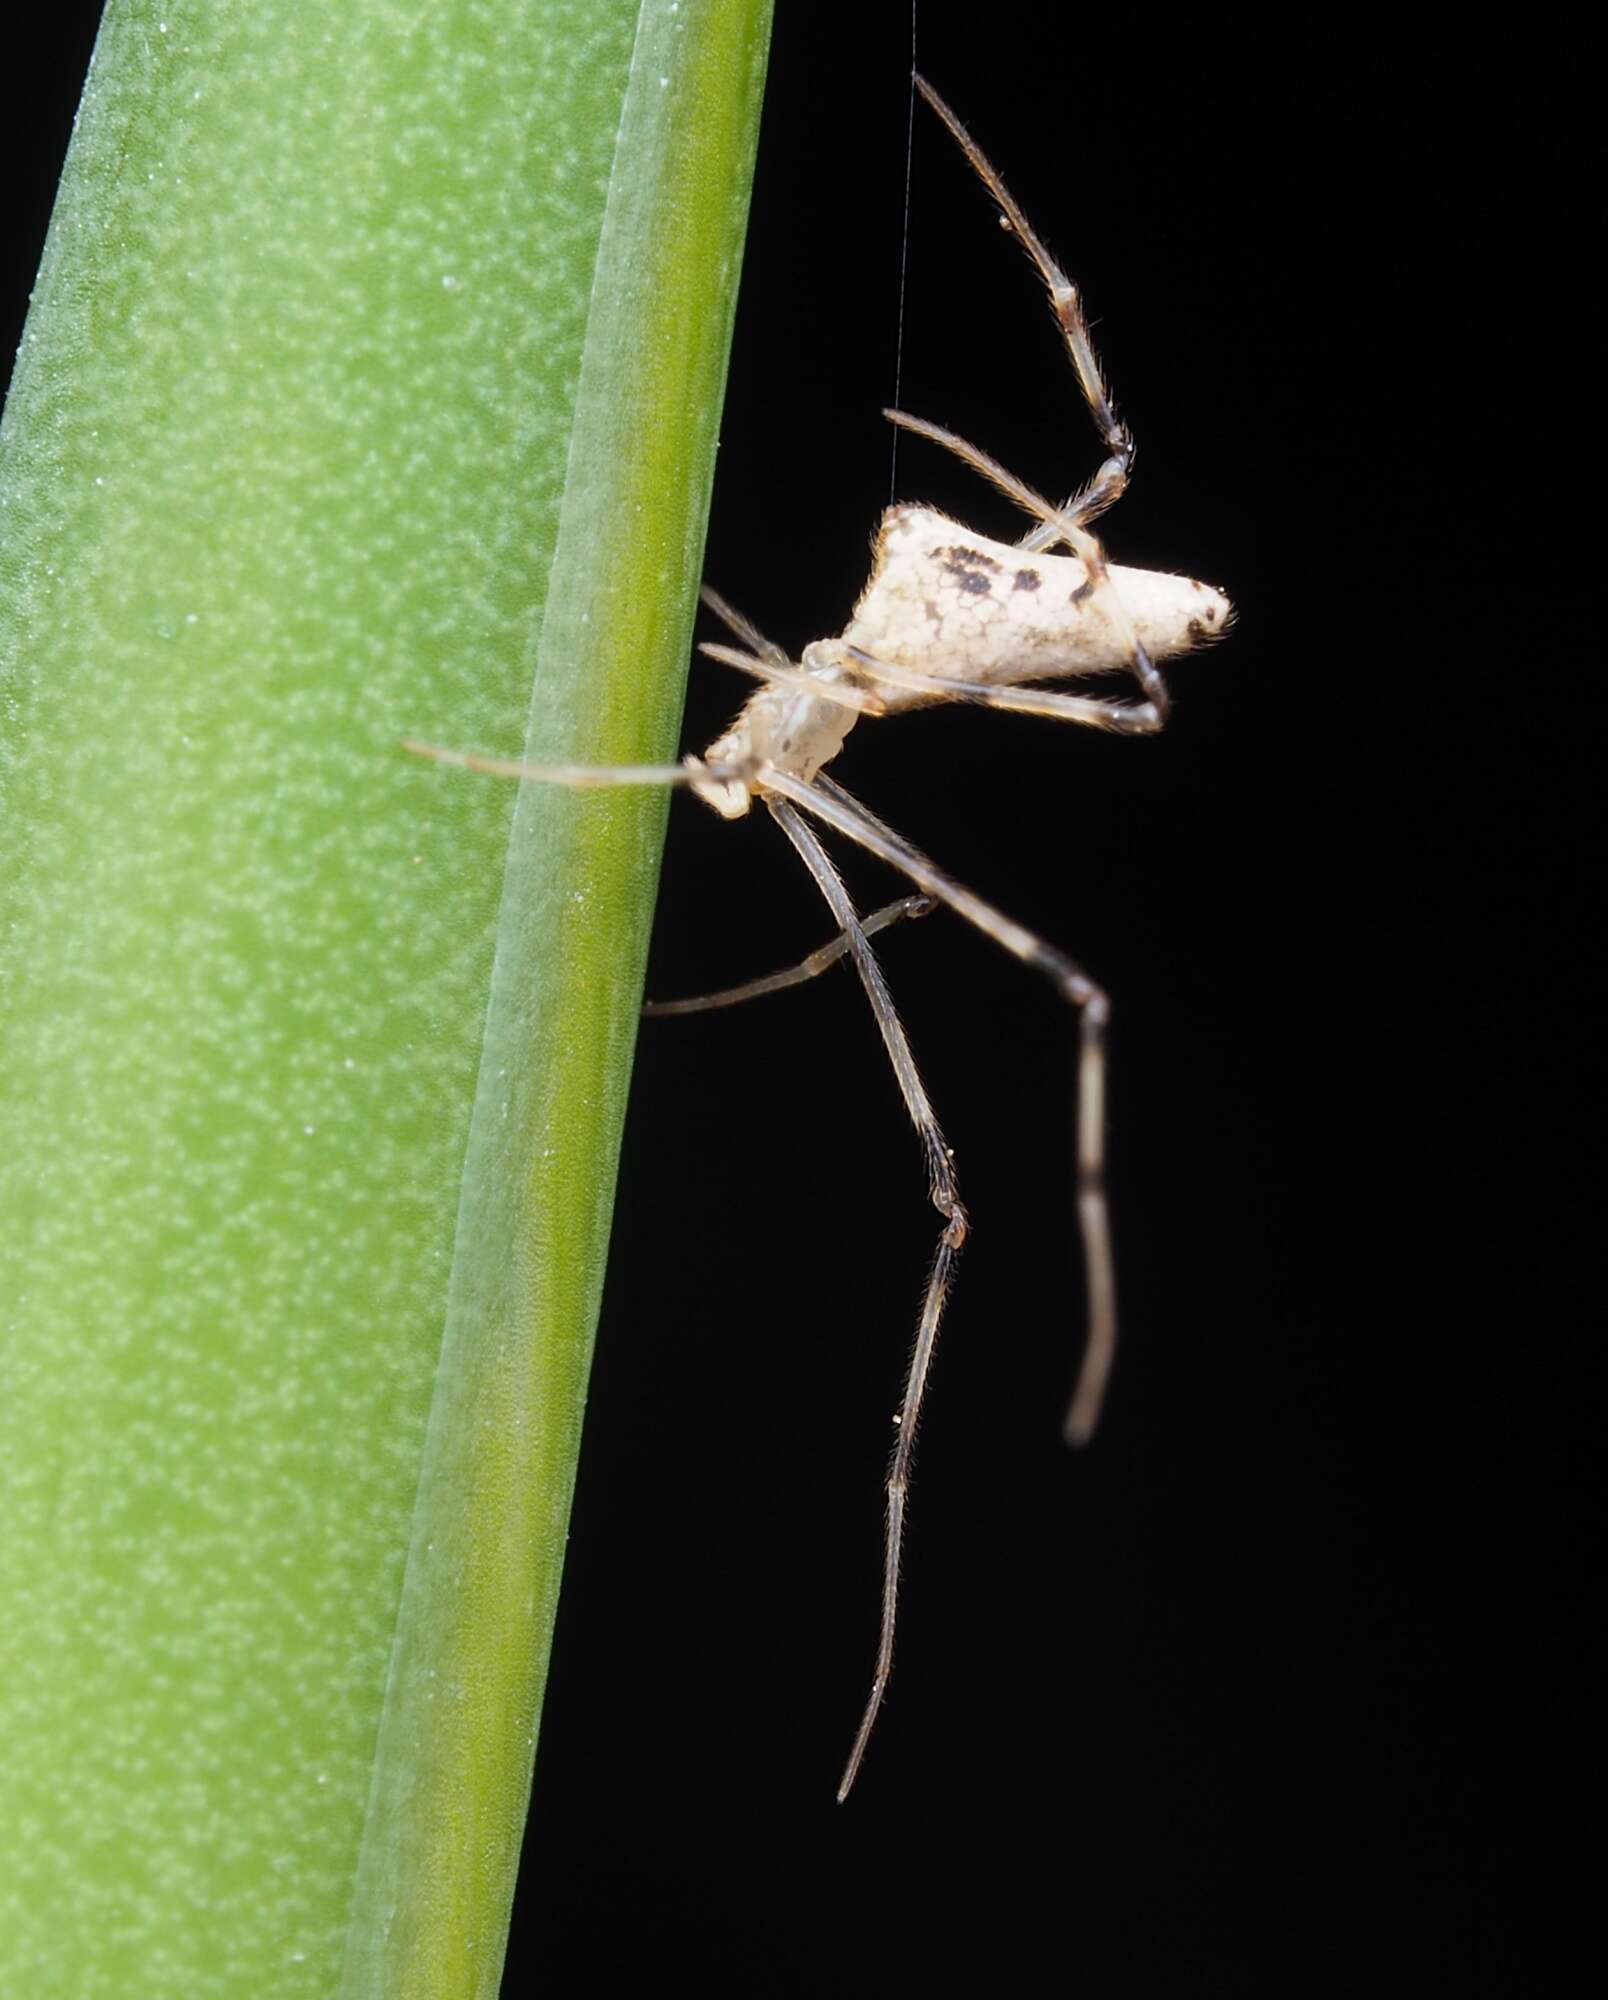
{"x":947,"y":615}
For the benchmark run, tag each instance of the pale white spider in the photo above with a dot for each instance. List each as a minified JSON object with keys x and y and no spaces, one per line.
{"x":947,"y":615}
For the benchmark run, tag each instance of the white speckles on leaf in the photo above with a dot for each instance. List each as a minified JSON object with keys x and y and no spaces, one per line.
{"x":281,"y":471}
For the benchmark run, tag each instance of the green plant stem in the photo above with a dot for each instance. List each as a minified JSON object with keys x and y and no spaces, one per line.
{"x":376,"y":354}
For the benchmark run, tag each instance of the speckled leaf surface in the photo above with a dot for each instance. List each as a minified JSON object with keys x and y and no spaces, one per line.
{"x":371,"y":382}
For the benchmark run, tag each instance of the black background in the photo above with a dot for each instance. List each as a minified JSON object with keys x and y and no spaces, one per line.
{"x":1282,"y":1685}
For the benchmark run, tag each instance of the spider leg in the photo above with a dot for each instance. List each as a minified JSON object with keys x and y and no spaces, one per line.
{"x":795,"y":975}
{"x":945,"y":1198}
{"x":692,"y":771}
{"x":827,"y":801}
{"x":1067,"y":524}
{"x":1124,"y":718}
{"x":1089,"y":501}
{"x":767,"y":663}
{"x":866,"y":701}
{"x":1108,"y":483}
{"x":745,"y":628}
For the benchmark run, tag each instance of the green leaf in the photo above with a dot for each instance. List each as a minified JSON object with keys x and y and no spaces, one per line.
{"x":375,"y":360}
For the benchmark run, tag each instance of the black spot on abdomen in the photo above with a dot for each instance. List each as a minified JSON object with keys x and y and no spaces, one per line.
{"x":971,"y":569}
